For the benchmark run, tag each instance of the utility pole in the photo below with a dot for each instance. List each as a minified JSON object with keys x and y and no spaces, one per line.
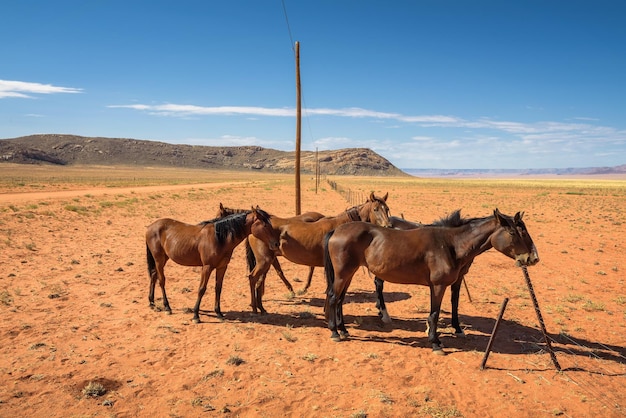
{"x":298,"y":128}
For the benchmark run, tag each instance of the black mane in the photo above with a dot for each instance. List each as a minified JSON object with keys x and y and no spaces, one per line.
{"x":452,"y":220}
{"x":234,"y":224}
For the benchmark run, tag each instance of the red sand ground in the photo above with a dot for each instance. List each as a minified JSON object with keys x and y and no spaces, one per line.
{"x":73,"y":299}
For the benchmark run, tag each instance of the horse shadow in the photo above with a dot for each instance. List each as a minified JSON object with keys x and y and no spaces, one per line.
{"x":513,"y":338}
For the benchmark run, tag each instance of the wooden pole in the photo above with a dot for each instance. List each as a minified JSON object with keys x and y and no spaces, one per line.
{"x":540,"y":319}
{"x":493,"y":333}
{"x":298,"y":128}
{"x":317,"y":170}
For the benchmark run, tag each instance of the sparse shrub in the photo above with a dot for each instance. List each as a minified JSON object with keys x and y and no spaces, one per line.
{"x":235,"y":360}
{"x":94,"y":389}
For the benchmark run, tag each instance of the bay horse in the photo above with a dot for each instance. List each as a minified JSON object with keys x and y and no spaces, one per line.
{"x":400,"y":223}
{"x":209,"y":244}
{"x":396,"y":223}
{"x":304,"y":217}
{"x":433,"y":256}
{"x":303,"y":242}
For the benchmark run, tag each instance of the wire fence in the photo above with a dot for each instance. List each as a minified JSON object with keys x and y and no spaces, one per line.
{"x":353,"y":197}
{"x":606,"y":357}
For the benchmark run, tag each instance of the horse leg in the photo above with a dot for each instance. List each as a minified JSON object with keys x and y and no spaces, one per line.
{"x":259,"y":291}
{"x":454,"y":298}
{"x":256,"y":279}
{"x":152,"y":273}
{"x":160,"y":268}
{"x":219,"y":280}
{"x":204,"y":278}
{"x":380,"y":301}
{"x":343,"y":332}
{"x":436,"y":296}
{"x":308,"y":279}
{"x":332,"y":308}
{"x":253,"y":295}
{"x":156,"y":271}
{"x":280,"y":273}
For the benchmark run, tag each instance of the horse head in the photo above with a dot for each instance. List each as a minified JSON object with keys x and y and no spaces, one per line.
{"x":262,"y":228}
{"x":376,"y":211}
{"x":512,"y":239}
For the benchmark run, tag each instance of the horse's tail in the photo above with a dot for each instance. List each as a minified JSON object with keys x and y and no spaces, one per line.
{"x":151,"y":262}
{"x":330,"y":273}
{"x":250,"y":258}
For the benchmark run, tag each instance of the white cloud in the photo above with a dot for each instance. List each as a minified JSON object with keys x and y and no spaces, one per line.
{"x":193,"y":110}
{"x":178,"y":110}
{"x":25,"y":90}
{"x":481,"y":142}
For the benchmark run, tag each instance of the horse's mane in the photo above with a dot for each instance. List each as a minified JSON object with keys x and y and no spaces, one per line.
{"x":454,"y":219}
{"x":211,"y":221}
{"x":262,"y":215}
{"x":234,"y":224}
{"x":353,"y":213}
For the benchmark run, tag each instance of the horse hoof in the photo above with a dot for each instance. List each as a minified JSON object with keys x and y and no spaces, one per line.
{"x":386,"y":318}
{"x":196,"y":320}
{"x":168,"y":311}
{"x":335,"y":337}
{"x":439,"y":352}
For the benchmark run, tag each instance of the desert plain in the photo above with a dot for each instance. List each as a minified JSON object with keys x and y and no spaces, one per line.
{"x":78,"y":339}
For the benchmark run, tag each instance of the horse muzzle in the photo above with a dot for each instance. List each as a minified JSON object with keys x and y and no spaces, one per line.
{"x":527,"y":259}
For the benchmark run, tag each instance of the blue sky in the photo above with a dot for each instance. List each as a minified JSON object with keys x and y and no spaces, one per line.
{"x":426,"y":84}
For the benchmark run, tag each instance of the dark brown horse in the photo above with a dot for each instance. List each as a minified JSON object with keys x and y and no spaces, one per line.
{"x":401,"y":223}
{"x":434,"y":256}
{"x":397,"y":223}
{"x":302,"y":242}
{"x":304,"y":217}
{"x":209,"y":244}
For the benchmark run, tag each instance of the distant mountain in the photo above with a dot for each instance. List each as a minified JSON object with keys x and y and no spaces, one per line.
{"x":425,"y":172}
{"x":78,"y":150}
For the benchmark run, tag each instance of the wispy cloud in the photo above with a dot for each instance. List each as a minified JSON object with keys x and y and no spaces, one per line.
{"x":521,"y":129}
{"x":178,"y":110}
{"x":503,"y":141}
{"x":26,"y":90}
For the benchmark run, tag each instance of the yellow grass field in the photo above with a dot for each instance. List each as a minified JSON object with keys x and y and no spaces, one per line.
{"x":77,"y":337}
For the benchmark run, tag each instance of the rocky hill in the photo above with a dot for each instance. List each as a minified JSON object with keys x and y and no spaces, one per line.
{"x":78,"y":150}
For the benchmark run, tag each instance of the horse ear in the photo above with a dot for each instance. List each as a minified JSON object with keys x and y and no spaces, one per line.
{"x":385,"y":197}
{"x":519,"y":216}
{"x":499,"y":217}
{"x":371,"y":198}
{"x":221,"y":206}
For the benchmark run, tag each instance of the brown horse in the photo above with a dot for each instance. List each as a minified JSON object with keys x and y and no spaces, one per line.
{"x":400,"y":223}
{"x":434,"y":256}
{"x":209,"y":244}
{"x":302,"y":242}
{"x":396,"y":223}
{"x":304,"y":217}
